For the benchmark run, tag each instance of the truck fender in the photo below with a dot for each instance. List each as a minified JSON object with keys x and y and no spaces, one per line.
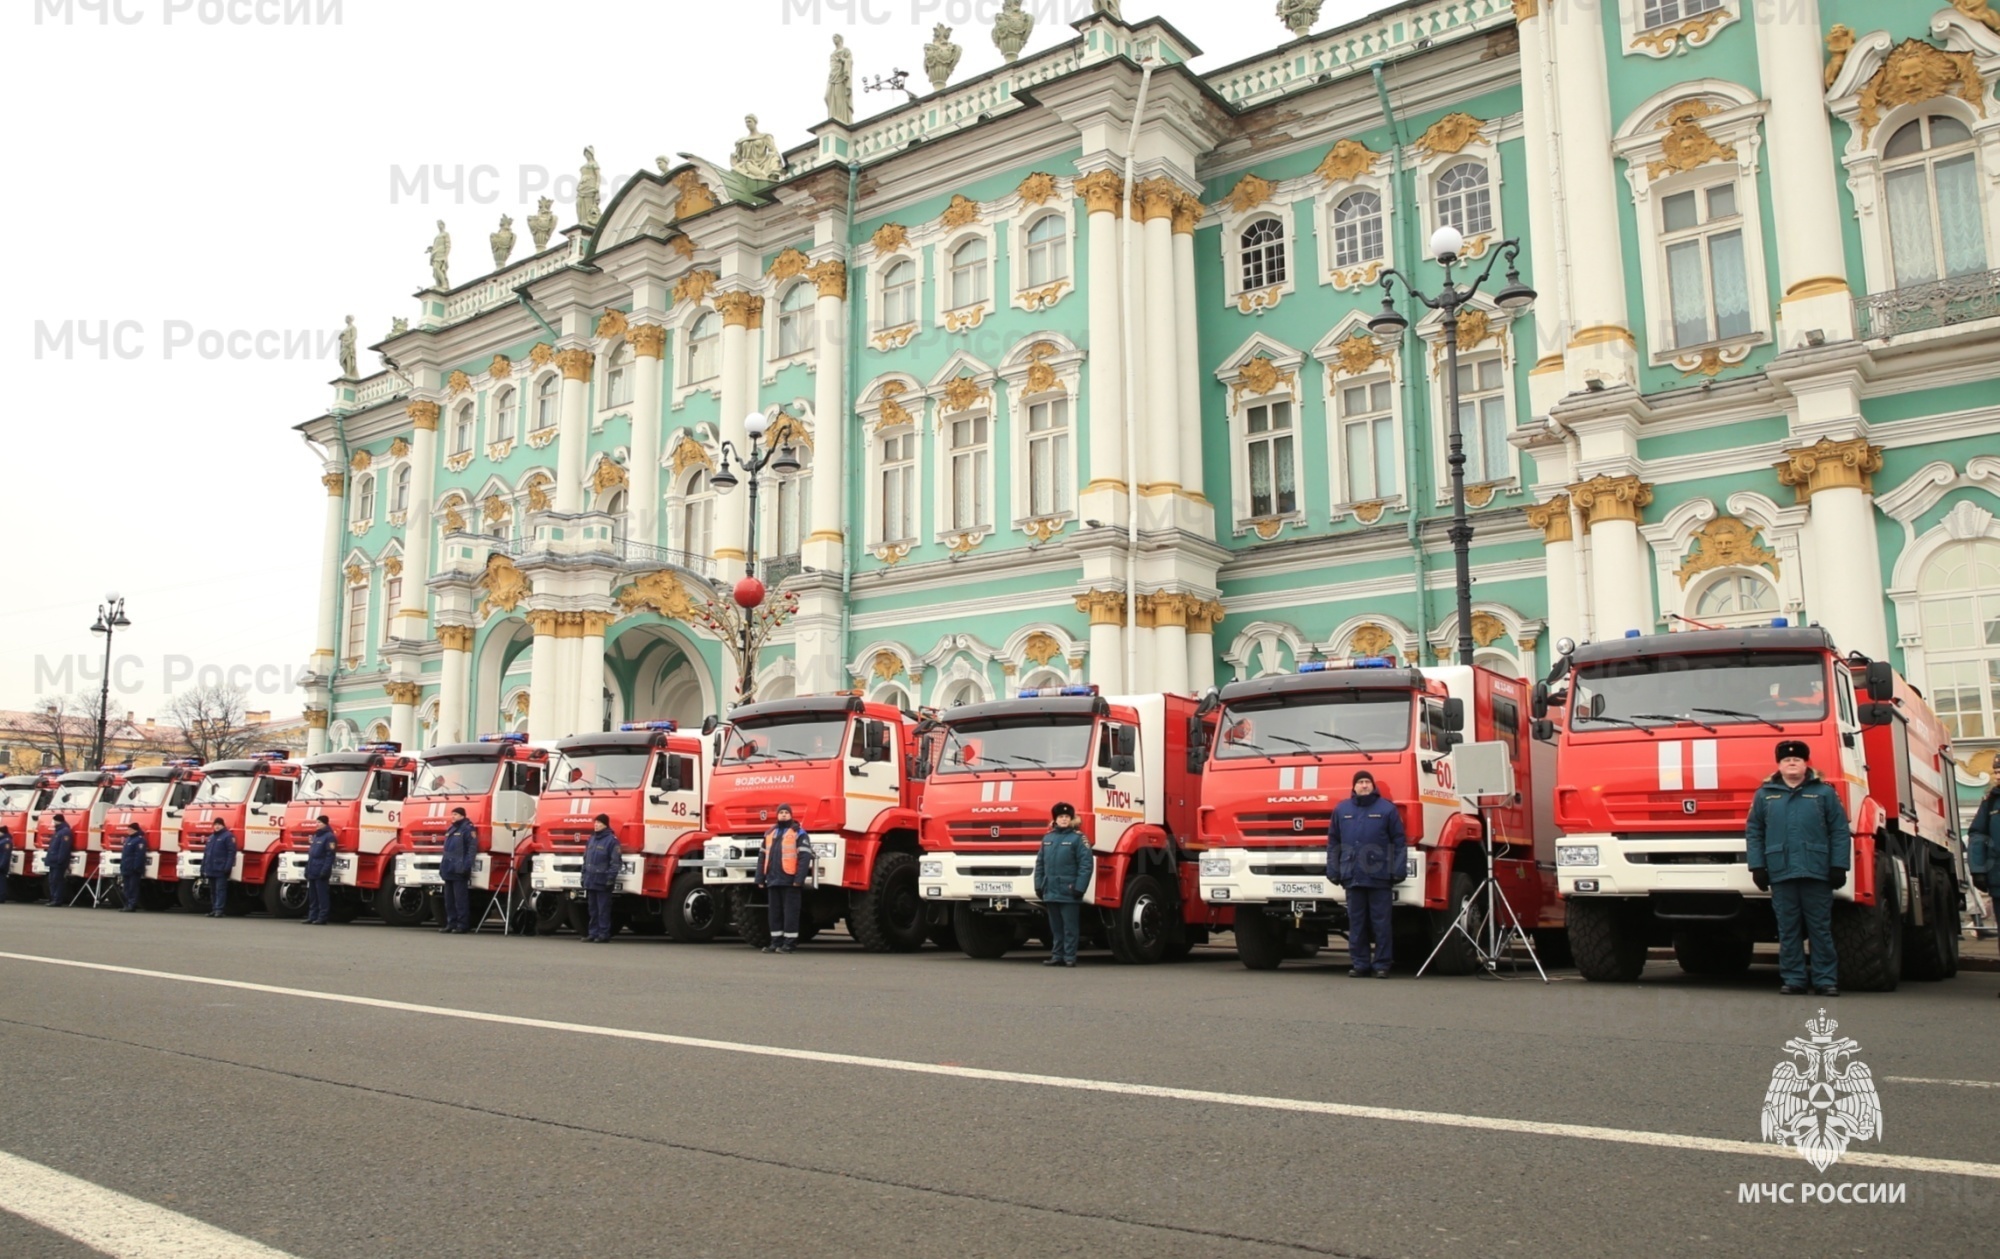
{"x":1461,"y":830}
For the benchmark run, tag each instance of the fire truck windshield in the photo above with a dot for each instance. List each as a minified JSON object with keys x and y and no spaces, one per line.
{"x":1037,"y":742}
{"x":1765,"y":688}
{"x":76,"y":796}
{"x":331,"y":784}
{"x":602,"y":769}
{"x":224,"y":789}
{"x":791,"y":738}
{"x":471,"y":776}
{"x":1315,"y":723}
{"x":16,"y":799}
{"x":145,"y":795}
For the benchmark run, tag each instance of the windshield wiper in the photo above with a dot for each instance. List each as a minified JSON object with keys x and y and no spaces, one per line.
{"x":1621,"y":721}
{"x":1297,"y":743}
{"x":1676,"y":718}
{"x":1256,"y":747}
{"x":1737,"y":712}
{"x":1353,"y":743}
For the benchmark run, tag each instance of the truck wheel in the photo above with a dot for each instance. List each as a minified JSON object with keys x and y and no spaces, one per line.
{"x":185,"y":896}
{"x":693,"y":912}
{"x":402,"y":906}
{"x":551,"y":912}
{"x":1258,"y":946}
{"x":1869,"y":938}
{"x":752,"y":923}
{"x":1457,"y":957}
{"x":1608,"y":944}
{"x":942,"y":928}
{"x":981,"y":935}
{"x":284,"y":900}
{"x":1716,"y":953}
{"x":889,"y":916}
{"x":1142,"y":926}
{"x":158,"y":897}
{"x":1931,"y":951}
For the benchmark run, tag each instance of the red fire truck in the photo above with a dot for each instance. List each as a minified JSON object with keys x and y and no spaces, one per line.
{"x":649,"y":780}
{"x":249,"y":796}
{"x":1002,"y":767}
{"x":497,"y":782}
{"x":847,"y":768}
{"x":1286,"y":752}
{"x":1663,"y":740}
{"x":80,"y":799}
{"x":156,"y":799}
{"x":361,"y":794}
{"x":22,"y":799}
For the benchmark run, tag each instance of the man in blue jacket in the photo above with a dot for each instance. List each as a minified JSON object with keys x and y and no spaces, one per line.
{"x":784,"y":871}
{"x":1062,"y":876}
{"x":1368,"y":854}
{"x":62,"y":842}
{"x":6,"y":860}
{"x":461,"y":849}
{"x":601,"y":863}
{"x":1799,"y":847}
{"x":132,"y":867}
{"x":319,"y":874}
{"x":218,"y":862}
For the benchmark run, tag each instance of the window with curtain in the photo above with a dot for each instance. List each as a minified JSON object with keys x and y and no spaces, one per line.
{"x":1465,"y":198}
{"x":1048,"y":251}
{"x":548,"y":402}
{"x":1708,"y":284}
{"x":618,"y":377}
{"x":1482,"y":419}
{"x":792,"y":508}
{"x":968,"y":274}
{"x":1368,"y":440}
{"x":1661,"y":12}
{"x":615,"y":508}
{"x":1262,"y":245}
{"x":899,"y":294}
{"x":1357,"y":229}
{"x":357,"y":621}
{"x":1930,"y":178}
{"x":392,"y":594}
{"x":1048,"y":457}
{"x":705,"y":348}
{"x":1271,"y":453}
{"x":697,"y":513}
{"x":462,"y":430}
{"x":364,"y":497}
{"x":399,"y":501}
{"x":1736,"y":599}
{"x":1959,"y":606}
{"x":505,"y":415}
{"x":796,"y":310}
{"x":899,"y":488}
{"x":969,"y":458}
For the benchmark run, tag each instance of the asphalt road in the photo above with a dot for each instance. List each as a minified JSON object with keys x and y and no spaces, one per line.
{"x":327,"y":1129}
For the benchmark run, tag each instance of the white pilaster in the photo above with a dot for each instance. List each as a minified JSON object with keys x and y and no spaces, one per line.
{"x":574,"y":434}
{"x":1601,"y":345}
{"x":454,"y":677}
{"x":412,"y":620}
{"x":642,"y":498}
{"x":825,"y":548}
{"x":1551,"y":317}
{"x":1103,"y":496}
{"x":742,"y":315}
{"x":1812,"y":264}
{"x":544,"y":679}
{"x":333,"y":538}
{"x":589,"y":686}
{"x":1161,"y":448}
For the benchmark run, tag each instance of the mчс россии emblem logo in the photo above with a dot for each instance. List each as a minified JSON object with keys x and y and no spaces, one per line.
{"x":1819,"y":1102}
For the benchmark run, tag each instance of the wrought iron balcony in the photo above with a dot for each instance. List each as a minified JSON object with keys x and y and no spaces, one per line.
{"x":1922,"y":307}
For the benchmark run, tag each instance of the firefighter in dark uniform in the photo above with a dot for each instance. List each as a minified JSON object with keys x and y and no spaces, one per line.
{"x":218,"y":862}
{"x":784,"y":871}
{"x":319,"y":874}
{"x":601,"y":863}
{"x":132,"y":867}
{"x":1799,"y":846}
{"x":461,"y":849}
{"x":62,"y":842}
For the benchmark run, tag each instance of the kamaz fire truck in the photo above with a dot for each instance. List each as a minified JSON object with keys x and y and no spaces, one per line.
{"x":361,"y":794}
{"x":497,"y":781}
{"x":22,"y":799}
{"x":847,"y":768}
{"x":1002,"y":767}
{"x":155,"y":799}
{"x":249,"y":796}
{"x":1286,"y":752}
{"x":81,"y":798}
{"x":648,"y":779}
{"x":1662,"y":742}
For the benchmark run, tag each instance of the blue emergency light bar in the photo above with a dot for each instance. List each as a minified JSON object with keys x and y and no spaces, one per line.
{"x":509,"y":737}
{"x":631,"y":726}
{"x":183,"y":762}
{"x":380,"y":747}
{"x":117,"y":769}
{"x":1357,"y":662}
{"x":278,"y":755}
{"x":1780,"y":622}
{"x":1051,"y":692}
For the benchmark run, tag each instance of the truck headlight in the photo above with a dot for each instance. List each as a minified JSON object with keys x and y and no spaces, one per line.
{"x":1576,"y":854}
{"x":1215,"y":867}
{"x":930,"y":869}
{"x":712,"y":850}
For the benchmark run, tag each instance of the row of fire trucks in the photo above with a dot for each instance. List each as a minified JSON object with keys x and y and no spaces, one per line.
{"x":1632,"y":768}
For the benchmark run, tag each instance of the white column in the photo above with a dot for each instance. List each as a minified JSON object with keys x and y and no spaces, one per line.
{"x":1551,"y":317}
{"x":544,"y":700}
{"x":412,"y":620}
{"x":1836,"y":479}
{"x":642,"y":497}
{"x":454,"y":673}
{"x":1559,"y":554}
{"x":1170,"y":642}
{"x":569,"y":647}
{"x":1145,"y":666}
{"x":590,"y":673}
{"x":403,"y":713}
{"x":1107,"y":639}
{"x":1187,"y":344}
{"x":333,"y":538}
{"x":574,"y":435}
{"x":1161,"y":447}
{"x":1812,"y":266}
{"x":825,"y":548}
{"x":1601,"y":345}
{"x":316,"y":731}
{"x":1201,"y":645}
{"x":1621,"y":573}
{"x":1103,"y":494}
{"x":742,"y":316}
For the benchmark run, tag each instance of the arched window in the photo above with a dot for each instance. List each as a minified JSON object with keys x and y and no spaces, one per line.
{"x":964,"y":691}
{"x":1930,"y":177}
{"x":1048,"y":251}
{"x":399,"y":501}
{"x":506,"y":415}
{"x":462,"y":429}
{"x":968,"y":273}
{"x":705,"y":348}
{"x":697,"y":515}
{"x":548,"y":403}
{"x":899,"y":487}
{"x":796,"y":318}
{"x":892,"y":693}
{"x":791,"y":507}
{"x":1959,"y":602}
{"x":1465,"y":199}
{"x":379,"y":732}
{"x":615,"y":508}
{"x":1736,"y":599}
{"x":1263,"y":253}
{"x":364,"y":497}
{"x":1357,"y":229}
{"x":618,"y":377}
{"x":899,"y":294}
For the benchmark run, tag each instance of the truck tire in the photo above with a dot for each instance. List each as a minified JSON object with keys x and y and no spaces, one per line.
{"x":889,"y":916}
{"x":1869,"y":938}
{"x":1930,"y":952}
{"x":156,"y":897}
{"x":284,"y":900}
{"x":751,"y":922}
{"x":1607,"y":942}
{"x":402,"y":906}
{"x":1142,"y":927}
{"x":1457,"y":956}
{"x":551,"y":912}
{"x":184,"y":894}
{"x":943,"y":927}
{"x":981,"y":935}
{"x":1258,"y":945}
{"x":1716,"y":953}
{"x":694,"y":911}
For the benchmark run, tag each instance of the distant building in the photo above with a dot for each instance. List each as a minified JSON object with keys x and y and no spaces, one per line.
{"x":33,"y":740}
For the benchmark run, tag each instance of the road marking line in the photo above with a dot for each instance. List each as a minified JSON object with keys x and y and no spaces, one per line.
{"x":1964,"y":1084}
{"x":117,"y":1224}
{"x":1251,"y":1101}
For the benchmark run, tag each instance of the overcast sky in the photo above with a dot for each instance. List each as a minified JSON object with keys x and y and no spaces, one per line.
{"x":179,"y":177}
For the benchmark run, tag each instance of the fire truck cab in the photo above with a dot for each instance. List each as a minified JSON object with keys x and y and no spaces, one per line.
{"x":497,"y":781}
{"x":361,"y":795}
{"x":848,"y":769}
{"x":650,"y":780}
{"x":156,"y":799}
{"x":81,"y":798}
{"x":22,"y":799}
{"x":1285,"y":753}
{"x":249,"y":796}
{"x":1002,"y":767}
{"x":1663,"y":741}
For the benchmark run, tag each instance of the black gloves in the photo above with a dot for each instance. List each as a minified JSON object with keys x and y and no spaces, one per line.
{"x":1983,"y":881}
{"x":1837,"y":879}
{"x":1762,"y":878}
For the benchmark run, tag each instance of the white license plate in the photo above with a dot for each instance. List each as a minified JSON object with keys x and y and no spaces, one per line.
{"x":992,"y":888}
{"x":1299,"y":889}
{"x":569,"y":878}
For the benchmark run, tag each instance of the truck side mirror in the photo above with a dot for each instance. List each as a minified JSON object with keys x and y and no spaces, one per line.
{"x":708,"y":724}
{"x":1451,"y":739}
{"x":1123,"y":762}
{"x":1538,"y":703}
{"x":1197,"y":745}
{"x":875,"y":743}
{"x":1597,"y":705}
{"x":1454,"y":714}
{"x":1124,"y":742}
{"x":1544,"y":730}
{"x":920,"y":768}
{"x":1881,"y":681}
{"x":1876,"y":714}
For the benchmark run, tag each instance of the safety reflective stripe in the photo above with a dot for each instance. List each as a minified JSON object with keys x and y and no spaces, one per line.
{"x":1705,"y":775}
{"x":789,"y":852}
{"x":1670,"y":766}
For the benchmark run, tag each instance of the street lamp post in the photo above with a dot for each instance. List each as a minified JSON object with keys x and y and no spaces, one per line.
{"x":110,"y":619}
{"x":749,"y":592}
{"x":1515,"y":298}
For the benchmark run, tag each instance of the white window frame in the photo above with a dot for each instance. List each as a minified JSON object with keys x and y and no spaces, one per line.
{"x":1334,"y":378}
{"x":1237,"y":294}
{"x":399,"y":491}
{"x":1338,"y":422}
{"x":501,"y":426}
{"x":1290,"y":365}
{"x":1928,"y":162}
{"x":879,"y":470}
{"x":1734,"y":574}
{"x":691,"y":491}
{"x":1027,"y":295}
{"x":1935,"y":659}
{"x":1331,"y":272}
{"x":966,"y":317}
{"x":985,"y":455}
{"x":362,"y":513}
{"x":1484,"y":148}
{"x":909,"y":394}
{"x":1703,"y":235}
{"x":621,"y":366}
{"x":807,"y":350}
{"x":554,"y":398}
{"x":1646,"y":37}
{"x":787,"y":493}
{"x":1065,"y":359}
{"x":464,"y":422}
{"x":693,"y":344}
{"x":1499,"y":344}
{"x":355,"y":622}
{"x":874,"y":266}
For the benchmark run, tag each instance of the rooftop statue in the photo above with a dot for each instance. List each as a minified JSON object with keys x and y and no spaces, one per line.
{"x":542,"y":224}
{"x":840,"y":82}
{"x":941,"y":57}
{"x":503,"y":241}
{"x":756,"y":154}
{"x":1011,"y":29}
{"x":587,"y":184}
{"x":440,"y":254}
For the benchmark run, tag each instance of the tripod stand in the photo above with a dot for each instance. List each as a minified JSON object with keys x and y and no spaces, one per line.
{"x":1486,"y":934}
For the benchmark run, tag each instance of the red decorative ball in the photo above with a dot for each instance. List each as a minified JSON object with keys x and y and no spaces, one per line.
{"x":749,"y":593}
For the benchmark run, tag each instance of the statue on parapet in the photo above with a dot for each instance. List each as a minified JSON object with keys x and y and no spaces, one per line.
{"x":756,"y":155}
